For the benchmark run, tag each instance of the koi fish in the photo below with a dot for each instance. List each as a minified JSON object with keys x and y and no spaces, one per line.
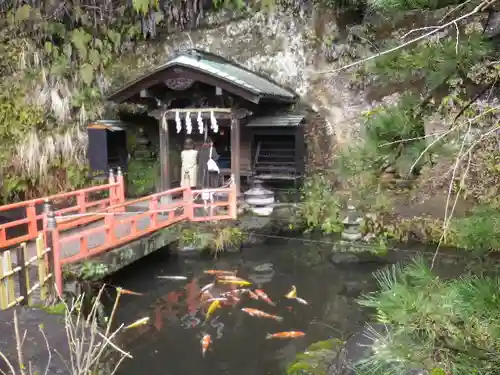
{"x":219,"y":273}
{"x":292,"y":293}
{"x":206,"y":287}
{"x":173,"y":277}
{"x":205,"y":343}
{"x":138,"y":323}
{"x":235,"y":282}
{"x":230,"y":277}
{"x":221,"y":299}
{"x":263,"y":296}
{"x":129,"y":292}
{"x":251,"y":294}
{"x":261,"y":314}
{"x":285,"y":335}
{"x":302,"y":301}
{"x":211,"y":309}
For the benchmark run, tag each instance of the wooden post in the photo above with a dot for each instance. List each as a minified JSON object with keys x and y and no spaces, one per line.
{"x":112,"y":191}
{"x":233,"y":202}
{"x":187,"y":197}
{"x":164,"y":154}
{"x":235,"y":151}
{"x":54,"y":255}
{"x":32,"y":222}
{"x":121,"y":185}
{"x":22,"y":274}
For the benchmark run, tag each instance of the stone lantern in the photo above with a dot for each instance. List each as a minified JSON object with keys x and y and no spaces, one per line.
{"x":259,"y":199}
{"x":352,"y":224}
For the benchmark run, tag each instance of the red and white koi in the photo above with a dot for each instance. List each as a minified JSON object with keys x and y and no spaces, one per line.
{"x":263,"y":296}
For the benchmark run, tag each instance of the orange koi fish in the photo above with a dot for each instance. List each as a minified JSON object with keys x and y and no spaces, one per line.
{"x":219,"y":273}
{"x":129,"y":292}
{"x":261,"y":314}
{"x":205,"y":343}
{"x":263,"y":296}
{"x":285,"y":335}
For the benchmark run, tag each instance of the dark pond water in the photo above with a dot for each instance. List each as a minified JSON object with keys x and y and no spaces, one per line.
{"x":170,"y":343}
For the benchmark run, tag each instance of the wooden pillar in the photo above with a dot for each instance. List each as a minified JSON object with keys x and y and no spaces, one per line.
{"x":235,"y":152}
{"x":164,"y":155}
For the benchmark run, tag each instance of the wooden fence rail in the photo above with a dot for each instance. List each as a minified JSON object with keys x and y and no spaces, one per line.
{"x":17,"y":284}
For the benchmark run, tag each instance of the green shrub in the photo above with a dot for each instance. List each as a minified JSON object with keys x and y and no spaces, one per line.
{"x":320,"y":207}
{"x":435,"y":324}
{"x":480,"y":230}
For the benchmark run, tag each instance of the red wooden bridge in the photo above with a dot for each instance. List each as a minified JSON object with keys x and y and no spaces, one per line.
{"x":81,"y":224}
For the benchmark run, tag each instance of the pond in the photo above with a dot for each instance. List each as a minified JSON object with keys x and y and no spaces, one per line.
{"x":170,"y":343}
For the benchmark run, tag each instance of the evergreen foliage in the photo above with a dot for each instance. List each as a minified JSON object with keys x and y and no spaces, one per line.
{"x":435,"y":324}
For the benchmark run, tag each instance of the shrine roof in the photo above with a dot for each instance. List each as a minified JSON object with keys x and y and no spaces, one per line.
{"x":226,"y":74}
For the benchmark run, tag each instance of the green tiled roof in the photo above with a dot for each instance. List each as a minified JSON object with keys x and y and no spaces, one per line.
{"x":222,"y":69}
{"x":232,"y":73}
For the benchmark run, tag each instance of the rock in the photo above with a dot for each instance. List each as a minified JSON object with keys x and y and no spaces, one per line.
{"x":357,"y":258}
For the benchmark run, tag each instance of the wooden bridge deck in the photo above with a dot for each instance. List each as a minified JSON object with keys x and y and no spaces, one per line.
{"x":91,"y":227}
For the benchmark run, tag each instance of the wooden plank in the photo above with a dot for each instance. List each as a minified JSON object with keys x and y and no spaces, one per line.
{"x":42,"y":268}
{"x":3,"y":288}
{"x":8,"y":278}
{"x":22,"y":274}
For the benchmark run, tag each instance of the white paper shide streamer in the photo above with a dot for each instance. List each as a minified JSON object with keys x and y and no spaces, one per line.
{"x":200,"y":122}
{"x":213,"y":122}
{"x":178,"y":123}
{"x":189,"y":125}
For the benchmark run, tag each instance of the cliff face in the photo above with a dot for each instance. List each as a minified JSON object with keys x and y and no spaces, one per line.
{"x":292,"y":50}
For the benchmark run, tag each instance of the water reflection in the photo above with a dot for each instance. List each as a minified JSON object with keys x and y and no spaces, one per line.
{"x":170,"y":343}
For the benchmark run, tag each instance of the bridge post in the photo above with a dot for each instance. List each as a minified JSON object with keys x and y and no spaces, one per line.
{"x":187,"y":197}
{"x":112,"y":191}
{"x":121,"y":185}
{"x":233,"y":199}
{"x":54,"y":256}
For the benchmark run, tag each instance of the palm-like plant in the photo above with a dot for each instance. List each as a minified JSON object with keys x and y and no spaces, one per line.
{"x":450,"y":326}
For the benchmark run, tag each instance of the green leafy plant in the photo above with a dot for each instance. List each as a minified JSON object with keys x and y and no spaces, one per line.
{"x":480,"y":230}
{"x":92,"y":271}
{"x":317,"y":358}
{"x":434,"y":324}
{"x":320,"y":207}
{"x":142,"y":176}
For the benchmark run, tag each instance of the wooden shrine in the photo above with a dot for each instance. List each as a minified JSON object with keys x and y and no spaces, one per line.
{"x":254,"y":115}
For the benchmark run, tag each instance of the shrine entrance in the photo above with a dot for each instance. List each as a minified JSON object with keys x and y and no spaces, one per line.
{"x":199,"y":94}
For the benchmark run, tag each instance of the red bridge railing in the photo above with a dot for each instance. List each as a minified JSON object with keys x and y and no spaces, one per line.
{"x":127,"y":221}
{"x":81,"y":201}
